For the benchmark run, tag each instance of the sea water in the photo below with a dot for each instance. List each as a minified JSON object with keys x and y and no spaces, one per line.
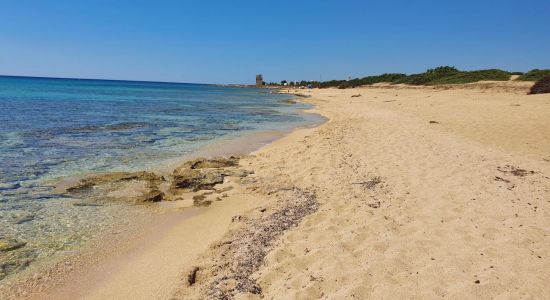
{"x":57,"y":128}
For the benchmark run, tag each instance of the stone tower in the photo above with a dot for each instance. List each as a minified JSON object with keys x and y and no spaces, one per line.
{"x":259,"y":80}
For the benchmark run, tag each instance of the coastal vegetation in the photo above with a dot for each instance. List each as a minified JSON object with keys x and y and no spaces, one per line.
{"x":436,"y":76}
{"x":451,"y":75}
{"x":392,"y":77}
{"x":542,"y":86}
{"x":535,"y":75}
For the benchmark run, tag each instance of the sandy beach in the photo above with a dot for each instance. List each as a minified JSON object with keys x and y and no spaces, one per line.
{"x":405,"y":192}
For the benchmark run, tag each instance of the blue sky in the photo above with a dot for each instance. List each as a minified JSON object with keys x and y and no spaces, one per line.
{"x":230,"y":41}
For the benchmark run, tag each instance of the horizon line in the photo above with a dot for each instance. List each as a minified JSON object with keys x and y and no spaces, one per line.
{"x":103,"y":79}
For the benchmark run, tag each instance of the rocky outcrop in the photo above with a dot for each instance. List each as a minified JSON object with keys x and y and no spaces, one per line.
{"x":135,"y":187}
{"x":204,"y":174}
{"x":9,"y":245}
{"x":219,"y":162}
{"x":145,"y":187}
{"x":197,"y":179}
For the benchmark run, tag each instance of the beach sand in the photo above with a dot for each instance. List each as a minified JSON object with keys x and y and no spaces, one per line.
{"x":453,"y":214}
{"x":405,"y":192}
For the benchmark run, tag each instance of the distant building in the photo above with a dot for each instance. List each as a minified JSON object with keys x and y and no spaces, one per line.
{"x":259,"y":80}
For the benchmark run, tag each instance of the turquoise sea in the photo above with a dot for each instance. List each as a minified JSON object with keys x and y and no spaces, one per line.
{"x":55,"y":128}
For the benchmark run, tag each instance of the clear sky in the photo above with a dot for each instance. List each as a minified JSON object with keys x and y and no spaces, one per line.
{"x":230,"y":41}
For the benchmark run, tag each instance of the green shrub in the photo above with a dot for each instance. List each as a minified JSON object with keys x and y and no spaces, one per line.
{"x":429,"y":76}
{"x":473,"y":76}
{"x":450,"y":75}
{"x":436,"y":76}
{"x":534,"y":75}
{"x":331,"y":83}
{"x":390,"y":78}
{"x":343,"y":84}
{"x":542,"y":86}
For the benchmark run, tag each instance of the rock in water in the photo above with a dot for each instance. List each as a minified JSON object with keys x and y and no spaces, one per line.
{"x":202,"y":173}
{"x":9,"y":186}
{"x":132,"y":187}
{"x":213,"y":163}
{"x":195,"y":180}
{"x":23,"y":218}
{"x":152,"y":196}
{"x":85,"y":184}
{"x":9,"y":245}
{"x":87,"y":203}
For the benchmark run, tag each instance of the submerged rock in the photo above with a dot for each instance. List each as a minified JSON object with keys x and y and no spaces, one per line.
{"x":134,"y":187}
{"x":9,"y":245}
{"x":9,"y":186}
{"x":288,"y":101}
{"x":23,"y":218}
{"x":87,"y":183}
{"x":87,"y":203}
{"x":14,"y":258}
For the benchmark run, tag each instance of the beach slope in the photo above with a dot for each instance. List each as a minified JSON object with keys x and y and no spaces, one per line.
{"x":422,"y":193}
{"x":405,"y":192}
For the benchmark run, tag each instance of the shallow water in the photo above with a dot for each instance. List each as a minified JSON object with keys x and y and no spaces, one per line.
{"x":54,"y":128}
